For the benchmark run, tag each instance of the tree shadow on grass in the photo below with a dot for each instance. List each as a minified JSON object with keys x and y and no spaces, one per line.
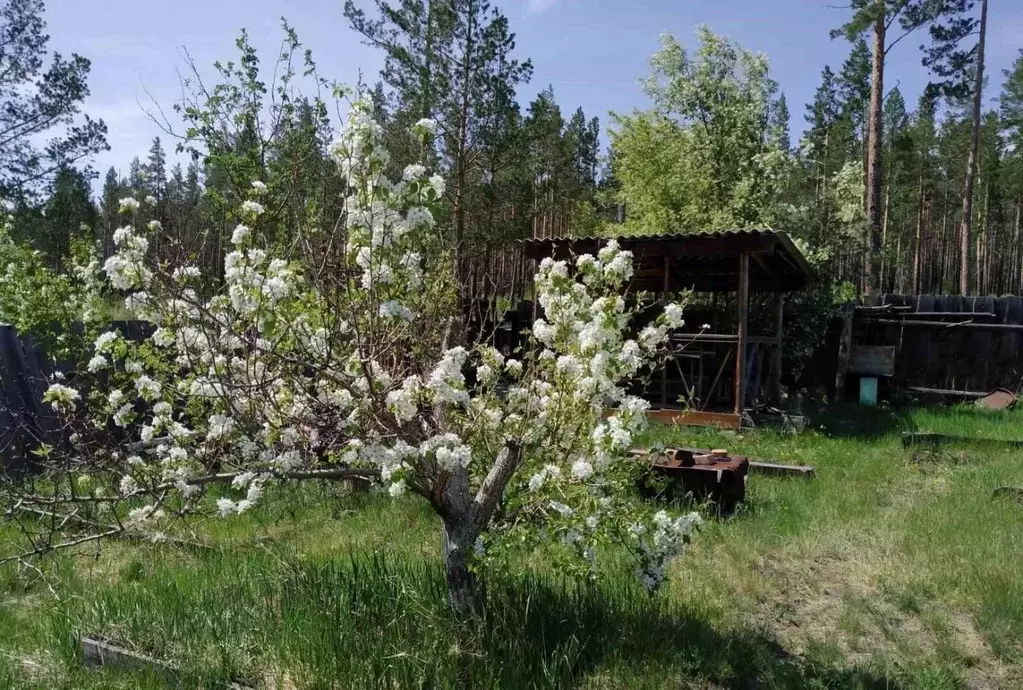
{"x":858,"y":421}
{"x":371,"y":621}
{"x":619,"y":633}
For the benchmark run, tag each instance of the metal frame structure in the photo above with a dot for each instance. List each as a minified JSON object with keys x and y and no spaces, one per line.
{"x":731,"y":261}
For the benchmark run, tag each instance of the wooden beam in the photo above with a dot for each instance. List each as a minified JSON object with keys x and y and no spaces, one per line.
{"x":778,"y":468}
{"x":925,"y":438}
{"x":723,"y":420}
{"x":664,"y":302}
{"x":759,"y":466}
{"x":99,"y":653}
{"x":947,"y":392}
{"x":740,"y":350}
{"x":844,"y":348}
{"x":938,"y":325}
{"x":779,"y":311}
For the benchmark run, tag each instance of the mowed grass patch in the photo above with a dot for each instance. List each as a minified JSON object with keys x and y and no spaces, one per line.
{"x":890,"y":557}
{"x":886,"y":570}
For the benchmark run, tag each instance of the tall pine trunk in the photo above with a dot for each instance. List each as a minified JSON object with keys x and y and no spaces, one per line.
{"x":874,"y":133}
{"x":965,"y":227}
{"x":917,"y":240}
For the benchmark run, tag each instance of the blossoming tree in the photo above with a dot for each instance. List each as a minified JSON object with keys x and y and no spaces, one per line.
{"x":335,"y":357}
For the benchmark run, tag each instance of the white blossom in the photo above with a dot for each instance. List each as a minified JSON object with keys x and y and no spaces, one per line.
{"x":148,"y":389}
{"x":582,"y":469}
{"x":240,"y":235}
{"x":105,"y":341}
{"x":426,"y":125}
{"x":251,"y":207}
{"x":61,"y":397}
{"x":128,"y":205}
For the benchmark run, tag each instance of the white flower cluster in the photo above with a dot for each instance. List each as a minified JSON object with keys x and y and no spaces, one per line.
{"x":61,"y":397}
{"x":660,"y":542}
{"x":293,"y":361}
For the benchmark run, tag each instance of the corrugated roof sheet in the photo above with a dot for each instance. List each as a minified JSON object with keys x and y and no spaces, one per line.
{"x":709,"y":249}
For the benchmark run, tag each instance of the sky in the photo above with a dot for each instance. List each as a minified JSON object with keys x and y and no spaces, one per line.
{"x":593,"y":52}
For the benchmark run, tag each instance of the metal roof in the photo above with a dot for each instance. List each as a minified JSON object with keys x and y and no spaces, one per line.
{"x":702,"y":261}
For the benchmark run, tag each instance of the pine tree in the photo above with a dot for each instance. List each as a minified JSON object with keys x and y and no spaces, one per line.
{"x":877,"y":17}
{"x":35,"y":102}
{"x":450,"y":60}
{"x":961,"y":73}
{"x":113,"y":191}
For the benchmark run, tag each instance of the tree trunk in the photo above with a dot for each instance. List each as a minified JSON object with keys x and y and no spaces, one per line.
{"x":465,"y":593}
{"x":971,"y":166}
{"x":461,"y":163}
{"x":1019,"y":251}
{"x":918,"y":238}
{"x":883,"y":281}
{"x":874,"y":133}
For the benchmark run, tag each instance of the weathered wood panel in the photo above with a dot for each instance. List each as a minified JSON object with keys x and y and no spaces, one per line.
{"x":981,"y":355}
{"x":872,"y":360}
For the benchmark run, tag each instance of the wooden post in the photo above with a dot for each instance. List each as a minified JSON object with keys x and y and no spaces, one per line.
{"x":779,"y":310}
{"x":664,"y":303}
{"x":844,"y":348}
{"x":740,"y":349}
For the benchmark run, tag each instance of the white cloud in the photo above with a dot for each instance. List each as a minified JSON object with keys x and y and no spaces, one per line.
{"x":537,"y":6}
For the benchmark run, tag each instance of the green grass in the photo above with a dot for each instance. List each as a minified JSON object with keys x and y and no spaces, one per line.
{"x":893,"y":568}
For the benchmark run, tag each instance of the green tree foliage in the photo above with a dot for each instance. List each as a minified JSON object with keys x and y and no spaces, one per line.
{"x":65,"y":216}
{"x":451,"y":61}
{"x":704,"y":156}
{"x":39,"y":100}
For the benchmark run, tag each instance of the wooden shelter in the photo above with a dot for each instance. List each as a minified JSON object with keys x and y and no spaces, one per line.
{"x":730,"y":261}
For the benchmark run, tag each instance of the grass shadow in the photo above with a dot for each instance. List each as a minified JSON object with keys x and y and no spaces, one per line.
{"x":850,"y":420}
{"x":371,"y":621}
{"x":618,"y":631}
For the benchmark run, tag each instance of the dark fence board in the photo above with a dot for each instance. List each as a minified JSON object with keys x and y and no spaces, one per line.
{"x":952,"y":358}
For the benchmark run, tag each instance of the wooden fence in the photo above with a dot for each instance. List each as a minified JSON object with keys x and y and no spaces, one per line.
{"x":947,"y":342}
{"x":25,"y":373}
{"x":25,"y":422}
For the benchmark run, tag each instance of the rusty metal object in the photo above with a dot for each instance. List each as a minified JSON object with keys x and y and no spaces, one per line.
{"x":998,"y":399}
{"x":721,"y":479}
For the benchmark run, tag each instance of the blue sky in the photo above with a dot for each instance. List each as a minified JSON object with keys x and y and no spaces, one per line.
{"x":592,"y":51}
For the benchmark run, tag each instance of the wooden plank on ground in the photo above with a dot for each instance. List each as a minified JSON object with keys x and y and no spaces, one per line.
{"x":99,"y":653}
{"x":777,"y":468}
{"x":926,"y":438}
{"x":759,"y":466}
